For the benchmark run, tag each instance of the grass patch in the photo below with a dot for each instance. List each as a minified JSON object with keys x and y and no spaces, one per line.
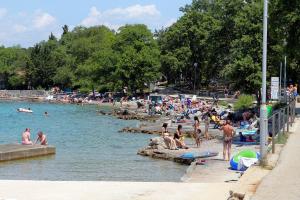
{"x":223,"y":103}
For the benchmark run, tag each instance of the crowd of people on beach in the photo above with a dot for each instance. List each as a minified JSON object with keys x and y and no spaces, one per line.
{"x":177,"y":142}
{"x":191,"y":111}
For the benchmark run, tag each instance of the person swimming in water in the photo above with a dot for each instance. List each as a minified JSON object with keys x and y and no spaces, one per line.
{"x":42,"y":138}
{"x":26,"y":137}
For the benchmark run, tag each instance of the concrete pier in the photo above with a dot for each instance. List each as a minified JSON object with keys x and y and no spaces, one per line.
{"x":18,"y":151}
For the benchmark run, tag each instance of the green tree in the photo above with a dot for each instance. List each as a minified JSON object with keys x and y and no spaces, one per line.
{"x":137,"y":58}
{"x":246,"y":49}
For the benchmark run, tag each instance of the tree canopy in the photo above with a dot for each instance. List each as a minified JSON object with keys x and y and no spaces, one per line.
{"x":214,"y":40}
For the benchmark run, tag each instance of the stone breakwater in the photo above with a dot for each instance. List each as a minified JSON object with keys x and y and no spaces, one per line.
{"x":23,"y":94}
{"x":130,"y":115}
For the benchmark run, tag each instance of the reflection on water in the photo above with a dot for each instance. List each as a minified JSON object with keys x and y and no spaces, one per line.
{"x":88,"y":146}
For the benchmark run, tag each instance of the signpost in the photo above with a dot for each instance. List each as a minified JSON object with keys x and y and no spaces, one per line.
{"x":275,"y":88}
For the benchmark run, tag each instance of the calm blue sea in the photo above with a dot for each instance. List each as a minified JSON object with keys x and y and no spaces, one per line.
{"x":88,"y":146}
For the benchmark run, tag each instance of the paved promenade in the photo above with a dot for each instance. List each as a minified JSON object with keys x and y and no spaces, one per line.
{"x":283,"y":182}
{"x":66,"y":190}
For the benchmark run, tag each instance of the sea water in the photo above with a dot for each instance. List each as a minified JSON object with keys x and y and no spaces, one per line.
{"x":88,"y":146}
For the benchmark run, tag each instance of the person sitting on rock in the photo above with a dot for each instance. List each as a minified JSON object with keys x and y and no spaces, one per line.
{"x":179,"y":138}
{"x":42,"y":138}
{"x":26,"y":137}
{"x":169,"y":141}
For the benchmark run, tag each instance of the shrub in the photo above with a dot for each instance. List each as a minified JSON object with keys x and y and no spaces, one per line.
{"x":244,"y":102}
{"x":223,"y":103}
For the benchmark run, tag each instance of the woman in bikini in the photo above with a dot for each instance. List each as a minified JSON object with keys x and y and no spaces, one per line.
{"x":197,"y":131}
{"x":179,"y":138}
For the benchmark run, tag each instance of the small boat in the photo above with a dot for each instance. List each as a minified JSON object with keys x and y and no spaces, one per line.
{"x":24,"y":110}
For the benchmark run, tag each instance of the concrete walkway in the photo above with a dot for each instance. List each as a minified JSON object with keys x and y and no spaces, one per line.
{"x":283,"y":182}
{"x":66,"y":190}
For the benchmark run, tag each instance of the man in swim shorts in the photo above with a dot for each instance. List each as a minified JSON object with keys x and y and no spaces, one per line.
{"x":26,"y":137}
{"x":228,"y":135}
{"x":41,"y":138}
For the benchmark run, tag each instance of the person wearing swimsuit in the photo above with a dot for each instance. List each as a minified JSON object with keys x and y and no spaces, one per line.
{"x":169,"y":141}
{"x":179,"y":139}
{"x":42,"y":138}
{"x":228,"y":132}
{"x":26,"y":137}
{"x":197,"y":131}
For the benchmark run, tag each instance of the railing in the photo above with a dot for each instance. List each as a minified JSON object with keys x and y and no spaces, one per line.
{"x":281,"y":121}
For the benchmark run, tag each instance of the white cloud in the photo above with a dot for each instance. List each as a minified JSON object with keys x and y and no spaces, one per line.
{"x":3,"y":12}
{"x":170,"y":22}
{"x":27,"y":28}
{"x":116,"y":17}
{"x":20,"y":28}
{"x":93,"y":18}
{"x":43,"y":19}
{"x":134,"y":11}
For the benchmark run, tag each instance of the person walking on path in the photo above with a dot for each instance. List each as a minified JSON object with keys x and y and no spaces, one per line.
{"x":228,"y":135}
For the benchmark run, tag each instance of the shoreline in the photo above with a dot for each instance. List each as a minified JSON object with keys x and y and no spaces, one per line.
{"x":156,"y":129}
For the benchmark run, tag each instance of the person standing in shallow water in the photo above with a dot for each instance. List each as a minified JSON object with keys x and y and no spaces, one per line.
{"x":228,"y":132}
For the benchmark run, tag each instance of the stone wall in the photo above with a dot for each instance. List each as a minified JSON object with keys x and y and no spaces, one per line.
{"x":22,"y":93}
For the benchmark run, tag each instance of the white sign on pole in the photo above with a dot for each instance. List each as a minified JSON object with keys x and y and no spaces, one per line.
{"x":274,"y":88}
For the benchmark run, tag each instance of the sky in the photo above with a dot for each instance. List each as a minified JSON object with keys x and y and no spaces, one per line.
{"x":26,"y":22}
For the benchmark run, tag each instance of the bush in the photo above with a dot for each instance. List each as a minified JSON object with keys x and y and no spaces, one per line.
{"x":223,"y":103}
{"x":244,"y":102}
{"x":85,"y":90}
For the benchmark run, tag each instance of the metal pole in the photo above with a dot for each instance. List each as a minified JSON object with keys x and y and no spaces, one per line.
{"x":280,"y":80}
{"x":195,"y":82}
{"x":288,"y":118}
{"x":284,"y":83}
{"x":294,"y":111}
{"x":283,"y":120}
{"x":279,"y":122}
{"x":195,"y":69}
{"x":273,"y":133}
{"x":263,"y":107}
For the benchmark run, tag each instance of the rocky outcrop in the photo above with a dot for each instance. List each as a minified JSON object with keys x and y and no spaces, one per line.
{"x":139,"y":130}
{"x":127,"y":114}
{"x":158,"y":149}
